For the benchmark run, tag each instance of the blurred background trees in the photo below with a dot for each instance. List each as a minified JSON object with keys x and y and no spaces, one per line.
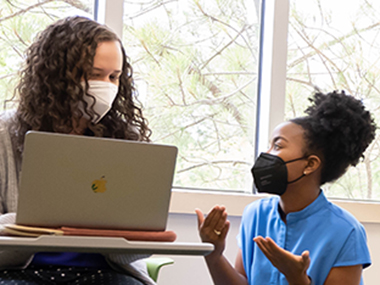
{"x":335,"y":45}
{"x":195,"y":67}
{"x":20,"y":21}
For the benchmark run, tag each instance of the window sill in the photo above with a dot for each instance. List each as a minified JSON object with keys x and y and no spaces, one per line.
{"x":186,"y":201}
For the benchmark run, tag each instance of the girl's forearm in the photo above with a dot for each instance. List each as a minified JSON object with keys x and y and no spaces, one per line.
{"x":222,"y":272}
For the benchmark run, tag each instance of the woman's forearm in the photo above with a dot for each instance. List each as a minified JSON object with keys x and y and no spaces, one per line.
{"x":222,"y":272}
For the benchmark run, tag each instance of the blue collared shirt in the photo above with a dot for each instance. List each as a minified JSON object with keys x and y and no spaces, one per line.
{"x":332,"y":235}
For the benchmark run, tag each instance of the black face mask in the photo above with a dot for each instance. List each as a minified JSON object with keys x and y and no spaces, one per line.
{"x":271,"y":174}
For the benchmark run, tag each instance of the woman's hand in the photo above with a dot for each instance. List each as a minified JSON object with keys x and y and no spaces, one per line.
{"x":292,"y":266}
{"x":214,"y":228}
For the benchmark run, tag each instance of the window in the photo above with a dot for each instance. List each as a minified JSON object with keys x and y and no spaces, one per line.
{"x":334,"y":45}
{"x":196,"y":69}
{"x":195,"y":66}
{"x":20,"y":21}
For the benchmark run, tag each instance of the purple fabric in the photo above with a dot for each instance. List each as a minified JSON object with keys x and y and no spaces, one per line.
{"x":93,"y":260}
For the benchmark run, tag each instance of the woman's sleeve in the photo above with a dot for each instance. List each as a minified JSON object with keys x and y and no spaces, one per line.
{"x":355,"y":250}
{"x":8,"y":200}
{"x":8,"y":172}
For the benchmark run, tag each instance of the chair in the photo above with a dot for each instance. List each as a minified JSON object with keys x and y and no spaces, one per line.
{"x":154,"y":265}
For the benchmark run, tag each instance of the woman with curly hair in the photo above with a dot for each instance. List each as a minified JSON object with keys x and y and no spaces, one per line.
{"x":298,"y":237}
{"x":77,"y":80}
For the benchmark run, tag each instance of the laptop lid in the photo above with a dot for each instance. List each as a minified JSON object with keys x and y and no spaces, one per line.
{"x":79,"y":181}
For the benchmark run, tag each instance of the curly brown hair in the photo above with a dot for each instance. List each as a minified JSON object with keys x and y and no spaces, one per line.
{"x":50,"y":89}
{"x":338,"y":129}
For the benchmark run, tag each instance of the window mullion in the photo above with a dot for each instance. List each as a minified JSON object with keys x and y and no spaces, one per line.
{"x":110,"y":13}
{"x":272,"y":79}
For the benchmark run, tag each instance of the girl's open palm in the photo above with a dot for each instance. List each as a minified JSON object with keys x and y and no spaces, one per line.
{"x":214,"y":227}
{"x":292,"y":266}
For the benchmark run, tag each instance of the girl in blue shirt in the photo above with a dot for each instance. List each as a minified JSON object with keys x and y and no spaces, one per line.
{"x":297,"y":236}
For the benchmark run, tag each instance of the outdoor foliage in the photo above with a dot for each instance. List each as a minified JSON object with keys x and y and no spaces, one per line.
{"x":195,"y":67}
{"x":335,"y":45}
{"x":20,"y":21}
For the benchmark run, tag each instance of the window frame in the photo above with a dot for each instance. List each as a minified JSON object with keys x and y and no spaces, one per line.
{"x":271,"y":109}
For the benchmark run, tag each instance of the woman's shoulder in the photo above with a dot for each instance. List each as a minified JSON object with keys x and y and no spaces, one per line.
{"x":342,"y":217}
{"x":7,"y":119}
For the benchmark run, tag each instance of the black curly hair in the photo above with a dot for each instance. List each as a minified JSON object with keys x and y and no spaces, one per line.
{"x":338,"y":129}
{"x":50,"y":89}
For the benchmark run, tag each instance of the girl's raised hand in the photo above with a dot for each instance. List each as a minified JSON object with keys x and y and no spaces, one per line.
{"x":214,"y":227}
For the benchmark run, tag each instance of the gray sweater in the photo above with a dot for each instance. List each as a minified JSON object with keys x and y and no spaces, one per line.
{"x":10,"y":166}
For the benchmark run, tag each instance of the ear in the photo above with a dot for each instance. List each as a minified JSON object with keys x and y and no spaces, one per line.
{"x":313,"y":163}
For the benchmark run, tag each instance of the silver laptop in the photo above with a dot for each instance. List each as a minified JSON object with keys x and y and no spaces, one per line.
{"x":89,"y":182}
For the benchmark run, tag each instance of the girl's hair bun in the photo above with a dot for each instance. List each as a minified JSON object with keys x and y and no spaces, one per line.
{"x":338,"y":128}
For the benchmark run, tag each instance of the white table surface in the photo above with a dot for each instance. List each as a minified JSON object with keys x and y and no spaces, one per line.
{"x":102,"y":245}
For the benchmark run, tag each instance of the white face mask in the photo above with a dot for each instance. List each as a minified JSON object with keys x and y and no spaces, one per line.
{"x":104,"y":93}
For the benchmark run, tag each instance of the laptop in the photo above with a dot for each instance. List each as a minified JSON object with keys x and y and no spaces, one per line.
{"x":88,"y":182}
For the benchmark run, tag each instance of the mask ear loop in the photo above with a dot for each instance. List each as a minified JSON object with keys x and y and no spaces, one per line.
{"x":289,"y":161}
{"x":303,"y":174}
{"x":295,"y":180}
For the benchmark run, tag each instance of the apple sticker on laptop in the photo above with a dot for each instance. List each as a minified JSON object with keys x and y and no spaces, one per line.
{"x":99,"y":185}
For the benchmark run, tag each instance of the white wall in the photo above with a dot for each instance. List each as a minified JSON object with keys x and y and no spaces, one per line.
{"x":372,"y":274}
{"x":190,"y":270}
